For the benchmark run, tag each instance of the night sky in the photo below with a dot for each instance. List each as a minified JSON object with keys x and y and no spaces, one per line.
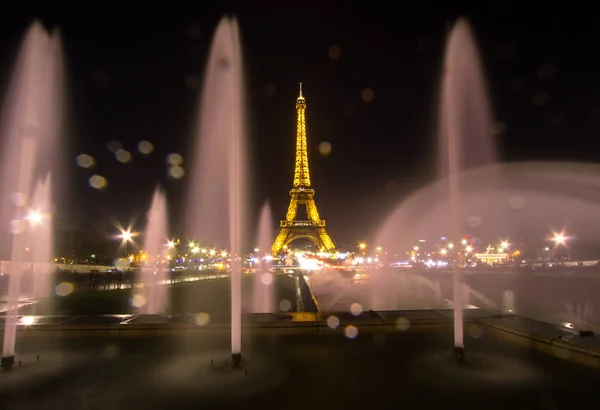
{"x":134,"y":73}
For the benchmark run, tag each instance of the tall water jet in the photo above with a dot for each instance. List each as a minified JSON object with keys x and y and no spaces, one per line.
{"x":263,"y":289}
{"x":216,"y":199}
{"x":464,"y":137}
{"x":40,"y":241}
{"x":508,"y":302}
{"x":154,"y":271}
{"x":30,"y":123}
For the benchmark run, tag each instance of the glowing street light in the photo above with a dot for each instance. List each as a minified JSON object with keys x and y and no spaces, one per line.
{"x":559,"y":238}
{"x":35,"y":217}
{"x":504,"y":245}
{"x":126,"y":237}
{"x":170,"y":244}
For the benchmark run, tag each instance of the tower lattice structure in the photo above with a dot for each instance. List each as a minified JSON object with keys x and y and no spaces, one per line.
{"x":301,"y":193}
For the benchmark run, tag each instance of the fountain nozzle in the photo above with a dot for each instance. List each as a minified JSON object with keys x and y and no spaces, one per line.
{"x":7,"y":363}
{"x":236,"y":359}
{"x":459,"y":353}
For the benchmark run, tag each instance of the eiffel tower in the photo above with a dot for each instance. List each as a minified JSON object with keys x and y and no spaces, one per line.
{"x":312,"y":229}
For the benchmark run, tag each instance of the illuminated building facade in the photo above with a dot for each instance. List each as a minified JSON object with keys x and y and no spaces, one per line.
{"x":313,"y":228}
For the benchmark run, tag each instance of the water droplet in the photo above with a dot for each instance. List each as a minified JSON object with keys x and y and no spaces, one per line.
{"x":145,"y":147}
{"x":176,"y":172}
{"x":114,"y":146}
{"x":335,"y":52}
{"x":333,"y":322}
{"x":325,"y":148}
{"x":123,"y":156}
{"x":356,"y":309}
{"x":64,"y":289}
{"x":223,"y":63}
{"x":174,"y":159}
{"x":202,"y":319}
{"x":97,"y":182}
{"x":266,"y":278}
{"x":367,"y":94}
{"x":402,"y":323}
{"x":516,"y":202}
{"x":473,"y":221}
{"x":138,"y":301}
{"x":351,"y":332}
{"x":85,"y":161}
{"x":270,"y":90}
{"x":285,"y":305}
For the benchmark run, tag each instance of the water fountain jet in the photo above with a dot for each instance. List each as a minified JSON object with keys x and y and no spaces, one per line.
{"x":263,"y":297}
{"x":216,"y":203}
{"x":30,"y":124}
{"x":154,"y":271}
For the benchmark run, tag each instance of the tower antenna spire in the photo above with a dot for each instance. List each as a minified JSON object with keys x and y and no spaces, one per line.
{"x":300,"y":95}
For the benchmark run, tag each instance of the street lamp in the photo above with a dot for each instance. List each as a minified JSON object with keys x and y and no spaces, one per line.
{"x":126,"y":237}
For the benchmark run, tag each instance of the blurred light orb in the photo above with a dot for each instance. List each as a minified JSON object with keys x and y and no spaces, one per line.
{"x":145,"y":147}
{"x":325,"y":148}
{"x":123,"y":156}
{"x":138,"y":301}
{"x":356,"y":309}
{"x":17,"y":226}
{"x":85,"y":161}
{"x":333,"y":322}
{"x":285,"y":305}
{"x":403,"y":324}
{"x":192,"y":82}
{"x":473,"y":221}
{"x":334,"y":52}
{"x":516,"y":202}
{"x":97,"y":182}
{"x":351,"y":332}
{"x":114,"y":146}
{"x":539,"y":98}
{"x":63,"y":289}
{"x":202,"y":319}
{"x":270,"y":90}
{"x":174,"y":159}
{"x":475,"y":331}
{"x":546,"y":71}
{"x":367,"y":94}
{"x":194,"y":31}
{"x":110,"y":351}
{"x":122,"y":264}
{"x":266,"y":278}
{"x":176,"y":172}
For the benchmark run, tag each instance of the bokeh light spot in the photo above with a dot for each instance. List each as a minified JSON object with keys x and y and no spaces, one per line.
{"x":285,"y":305}
{"x":473,"y":221}
{"x":270,"y":90}
{"x":202,"y":319}
{"x":367,"y":94}
{"x":335,"y":52}
{"x":546,"y":71}
{"x":145,"y":147}
{"x":85,"y":161}
{"x":138,"y":301}
{"x":539,"y":98}
{"x":356,"y":309}
{"x":174,"y":159}
{"x":176,"y":172}
{"x":97,"y":182}
{"x":123,"y":156}
{"x":351,"y":332}
{"x":325,"y":148}
{"x":475,"y":331}
{"x":266,"y":278}
{"x":516,"y":202}
{"x":402,"y":323}
{"x":114,"y":146}
{"x":194,"y":31}
{"x":110,"y":351}
{"x":192,"y":82}
{"x":333,"y":322}
{"x":64,"y":289}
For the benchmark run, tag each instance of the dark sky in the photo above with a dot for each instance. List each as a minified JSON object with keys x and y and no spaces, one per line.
{"x":127,"y":67}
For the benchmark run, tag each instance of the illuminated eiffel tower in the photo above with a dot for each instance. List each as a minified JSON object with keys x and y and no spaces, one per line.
{"x":312,"y":229}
